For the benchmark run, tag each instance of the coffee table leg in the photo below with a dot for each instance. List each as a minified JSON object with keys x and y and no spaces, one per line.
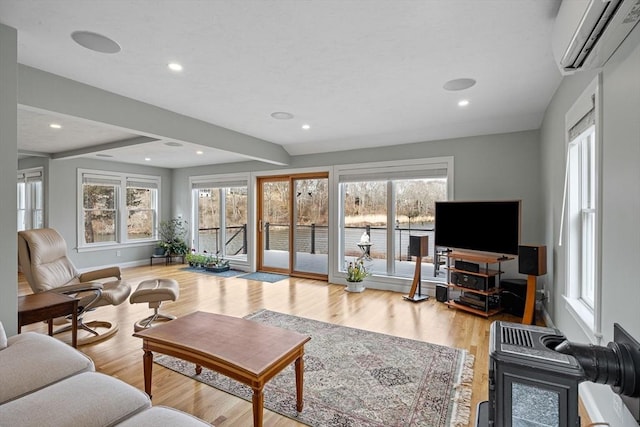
{"x":147,"y":361}
{"x":299,"y":382}
{"x":258,"y":407}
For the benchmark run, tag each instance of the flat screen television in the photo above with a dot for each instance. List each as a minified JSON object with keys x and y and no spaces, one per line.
{"x":486,"y":226}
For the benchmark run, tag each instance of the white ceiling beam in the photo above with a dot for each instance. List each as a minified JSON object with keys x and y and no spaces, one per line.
{"x":28,"y":153}
{"x":43,"y":90}
{"x":102,"y":147}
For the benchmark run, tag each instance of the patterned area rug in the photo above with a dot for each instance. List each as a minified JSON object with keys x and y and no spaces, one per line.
{"x":264,"y":277}
{"x":357,"y":378}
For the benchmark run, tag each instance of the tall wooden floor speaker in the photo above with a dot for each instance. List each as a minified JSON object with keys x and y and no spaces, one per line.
{"x":532,"y":261}
{"x":418,"y":248}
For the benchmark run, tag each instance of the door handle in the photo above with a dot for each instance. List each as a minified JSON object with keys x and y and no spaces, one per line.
{"x":260,"y":226}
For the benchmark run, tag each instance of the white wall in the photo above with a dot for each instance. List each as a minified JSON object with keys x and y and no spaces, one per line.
{"x":620,"y":208}
{"x":8,"y":156}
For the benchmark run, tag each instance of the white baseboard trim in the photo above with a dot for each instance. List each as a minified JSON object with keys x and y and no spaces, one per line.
{"x":545,"y":315}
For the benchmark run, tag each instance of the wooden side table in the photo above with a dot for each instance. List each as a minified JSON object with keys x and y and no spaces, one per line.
{"x":47,"y":306}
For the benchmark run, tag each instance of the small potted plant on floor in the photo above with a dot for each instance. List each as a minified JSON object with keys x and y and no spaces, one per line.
{"x":193,"y":259}
{"x":197,"y":260}
{"x":356,"y":273}
{"x":217,"y":264}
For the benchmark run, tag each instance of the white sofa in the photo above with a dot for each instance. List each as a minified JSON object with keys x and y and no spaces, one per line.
{"x":46,"y":382}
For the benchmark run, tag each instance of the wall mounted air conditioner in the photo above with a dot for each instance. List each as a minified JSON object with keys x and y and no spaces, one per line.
{"x":587,"y":32}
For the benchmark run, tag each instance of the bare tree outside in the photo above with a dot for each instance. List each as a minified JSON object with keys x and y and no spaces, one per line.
{"x":212,"y":203}
{"x":99,"y":208}
{"x":141,"y":213}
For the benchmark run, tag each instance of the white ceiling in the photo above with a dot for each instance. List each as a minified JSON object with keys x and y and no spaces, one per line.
{"x":360,"y":73}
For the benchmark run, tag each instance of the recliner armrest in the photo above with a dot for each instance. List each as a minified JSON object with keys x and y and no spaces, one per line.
{"x":102,"y":273}
{"x":78,"y":287}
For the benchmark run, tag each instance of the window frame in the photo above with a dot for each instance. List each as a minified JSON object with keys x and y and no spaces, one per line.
{"x":121,"y":208}
{"x":30,"y":199}
{"x":220,"y":184}
{"x":586,"y":312}
{"x":143,"y":183}
{"x":393,"y":170}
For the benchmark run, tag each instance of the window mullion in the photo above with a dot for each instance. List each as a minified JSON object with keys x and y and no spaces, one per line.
{"x":391,"y":247}
{"x":121,"y":211}
{"x":222,"y":236}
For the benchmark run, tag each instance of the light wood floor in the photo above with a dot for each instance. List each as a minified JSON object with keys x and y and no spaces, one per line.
{"x":379,"y":311}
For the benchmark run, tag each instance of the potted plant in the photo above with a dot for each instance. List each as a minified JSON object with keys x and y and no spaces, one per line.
{"x":191,"y":259}
{"x":356,"y":273}
{"x":172,"y":234}
{"x":217,"y":264}
{"x":197,"y":260}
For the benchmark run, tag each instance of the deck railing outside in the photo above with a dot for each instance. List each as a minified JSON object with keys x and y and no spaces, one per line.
{"x":314,"y":239}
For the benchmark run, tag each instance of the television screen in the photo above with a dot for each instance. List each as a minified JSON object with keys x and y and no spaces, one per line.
{"x":491,"y":226}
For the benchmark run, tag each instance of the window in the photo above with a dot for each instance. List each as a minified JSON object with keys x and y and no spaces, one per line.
{"x":581,"y":208}
{"x":30,"y":199}
{"x":117,"y":208}
{"x":220,"y":214}
{"x":581,"y":215}
{"x":141,"y":208}
{"x":390,"y":201}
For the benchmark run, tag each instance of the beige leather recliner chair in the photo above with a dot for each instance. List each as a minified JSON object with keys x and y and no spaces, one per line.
{"x":42,"y":256}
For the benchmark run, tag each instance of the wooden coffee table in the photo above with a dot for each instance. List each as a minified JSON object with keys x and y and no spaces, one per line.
{"x":247,"y":351}
{"x":47,"y":306}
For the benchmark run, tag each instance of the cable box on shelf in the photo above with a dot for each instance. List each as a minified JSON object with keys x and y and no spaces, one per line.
{"x":472,"y":281}
{"x":480,"y":303}
{"x":471,"y":267}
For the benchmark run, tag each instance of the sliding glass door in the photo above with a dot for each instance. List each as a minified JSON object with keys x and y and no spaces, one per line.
{"x":274,"y":223}
{"x":311,"y":219}
{"x":293,"y":225}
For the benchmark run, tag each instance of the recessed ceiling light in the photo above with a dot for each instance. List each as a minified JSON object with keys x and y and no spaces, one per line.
{"x":96,"y":42}
{"x":282,"y":115}
{"x":459,"y":84}
{"x":147,"y":159}
{"x":173,"y":144}
{"x":55,"y":126}
{"x":199,"y":152}
{"x":174,"y":66}
{"x":306,"y":126}
{"x":463,"y":103}
{"x":103,"y":155}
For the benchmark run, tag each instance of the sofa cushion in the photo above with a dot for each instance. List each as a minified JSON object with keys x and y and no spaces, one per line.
{"x":3,"y":337}
{"x":89,"y":399}
{"x":161,"y":416}
{"x":32,"y":361}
